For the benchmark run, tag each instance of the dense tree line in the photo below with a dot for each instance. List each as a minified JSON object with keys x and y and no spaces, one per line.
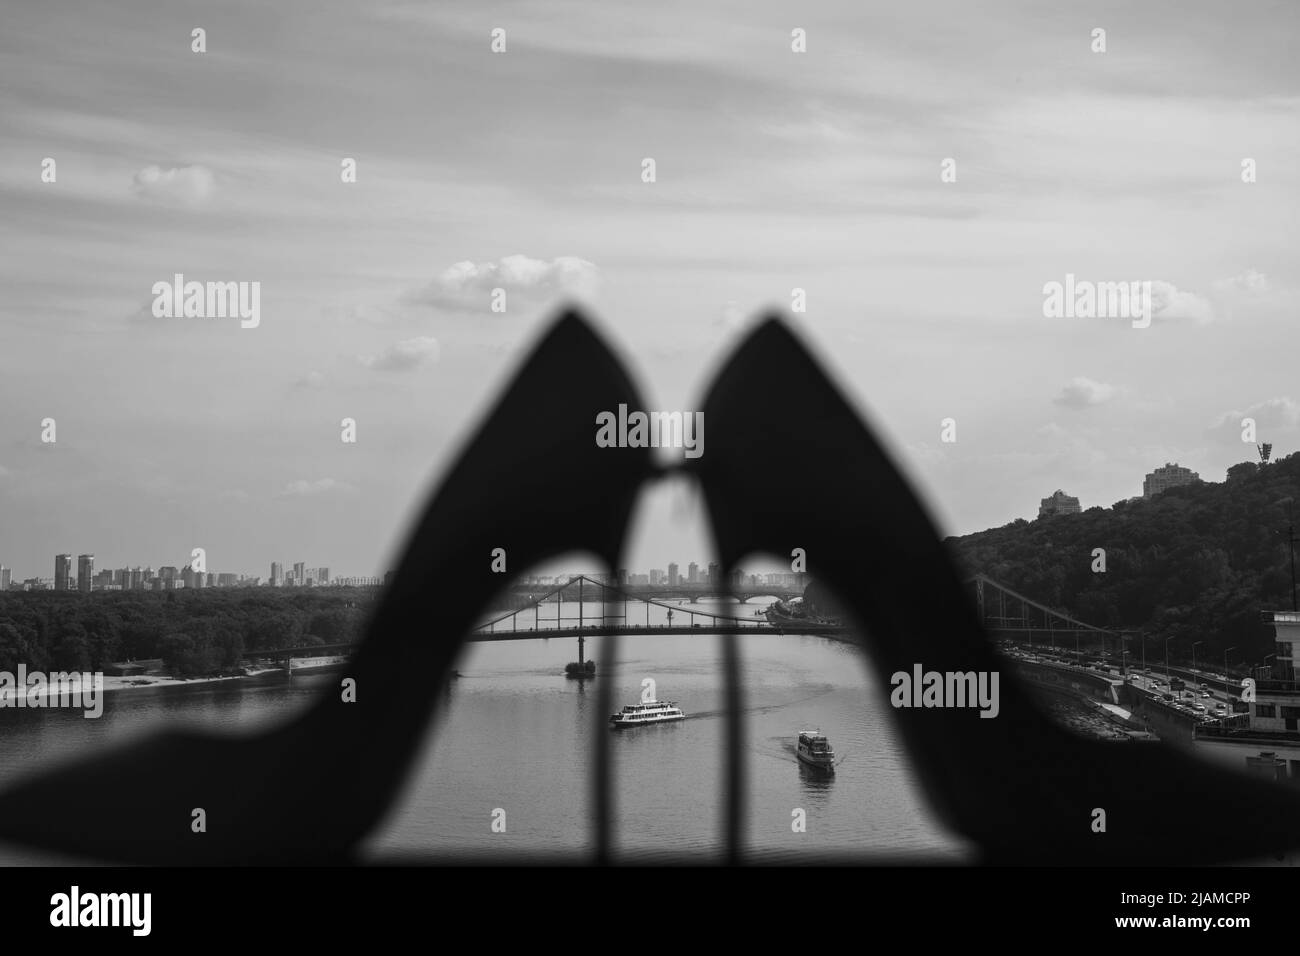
{"x":195,"y":633}
{"x":1196,"y":563}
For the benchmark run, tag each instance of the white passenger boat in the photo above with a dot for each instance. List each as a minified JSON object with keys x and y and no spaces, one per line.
{"x":815,"y":750}
{"x":647,"y":712}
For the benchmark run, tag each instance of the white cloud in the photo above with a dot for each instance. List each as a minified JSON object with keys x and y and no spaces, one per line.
{"x":468,"y":285}
{"x":302,"y":487}
{"x":1249,"y":282}
{"x":1084,"y":392}
{"x":404,"y":356}
{"x":179,"y":186}
{"x":1169,"y":303}
{"x":1280,"y":412}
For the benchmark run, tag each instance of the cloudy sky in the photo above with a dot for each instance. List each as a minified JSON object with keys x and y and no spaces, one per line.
{"x":522,"y":170}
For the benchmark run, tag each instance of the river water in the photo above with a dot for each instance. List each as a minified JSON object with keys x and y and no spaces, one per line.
{"x":513,"y":735}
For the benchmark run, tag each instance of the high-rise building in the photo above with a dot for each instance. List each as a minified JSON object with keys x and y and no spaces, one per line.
{"x":226,"y":580}
{"x":715,"y":574}
{"x":656,"y":576}
{"x":322,"y":576}
{"x":277,"y":574}
{"x":1059,"y":504}
{"x":103,"y":579}
{"x":692,"y":573}
{"x":62,"y":572}
{"x":85,"y":572}
{"x":1170,"y":476}
{"x":299,"y":573}
{"x":673,"y":577}
{"x":137,"y":579}
{"x":167,"y":575}
{"x":5,"y":575}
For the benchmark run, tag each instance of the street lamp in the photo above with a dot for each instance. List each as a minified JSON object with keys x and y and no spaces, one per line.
{"x":1194,"y":654}
{"x":1167,"y":640}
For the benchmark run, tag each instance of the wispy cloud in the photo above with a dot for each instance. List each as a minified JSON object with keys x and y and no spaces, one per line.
{"x":404,"y":356}
{"x":178,"y":186}
{"x":1083,"y":392}
{"x":303,"y":488}
{"x":1250,"y":282}
{"x":468,"y":286}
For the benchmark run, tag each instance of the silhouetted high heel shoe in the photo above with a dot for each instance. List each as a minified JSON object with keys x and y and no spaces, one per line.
{"x":532,"y":482}
{"x":1021,"y":787}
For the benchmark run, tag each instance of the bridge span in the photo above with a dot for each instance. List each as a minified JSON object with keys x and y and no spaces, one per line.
{"x":604,"y":610}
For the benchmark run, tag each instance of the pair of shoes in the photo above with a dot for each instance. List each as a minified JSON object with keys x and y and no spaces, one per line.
{"x":534,"y":482}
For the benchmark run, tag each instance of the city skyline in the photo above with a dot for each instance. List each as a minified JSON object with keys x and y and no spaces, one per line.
{"x":1170,"y":478}
{"x":139,"y":577}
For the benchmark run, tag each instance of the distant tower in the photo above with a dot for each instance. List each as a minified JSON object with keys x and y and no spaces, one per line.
{"x":85,"y":572}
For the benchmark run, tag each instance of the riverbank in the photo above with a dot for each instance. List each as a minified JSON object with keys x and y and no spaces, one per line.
{"x":116,"y":684}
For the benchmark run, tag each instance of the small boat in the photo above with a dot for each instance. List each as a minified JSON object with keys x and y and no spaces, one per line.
{"x":647,"y":712}
{"x":815,"y":750}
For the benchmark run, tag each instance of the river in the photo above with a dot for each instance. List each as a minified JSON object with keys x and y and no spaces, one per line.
{"x":513,"y":735}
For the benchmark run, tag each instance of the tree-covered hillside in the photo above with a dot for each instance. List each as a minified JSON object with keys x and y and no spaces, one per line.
{"x":195,"y":633}
{"x":1196,"y":563}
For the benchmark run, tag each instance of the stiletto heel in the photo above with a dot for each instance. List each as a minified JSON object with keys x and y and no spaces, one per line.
{"x":310,"y":790}
{"x":1021,"y":787}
